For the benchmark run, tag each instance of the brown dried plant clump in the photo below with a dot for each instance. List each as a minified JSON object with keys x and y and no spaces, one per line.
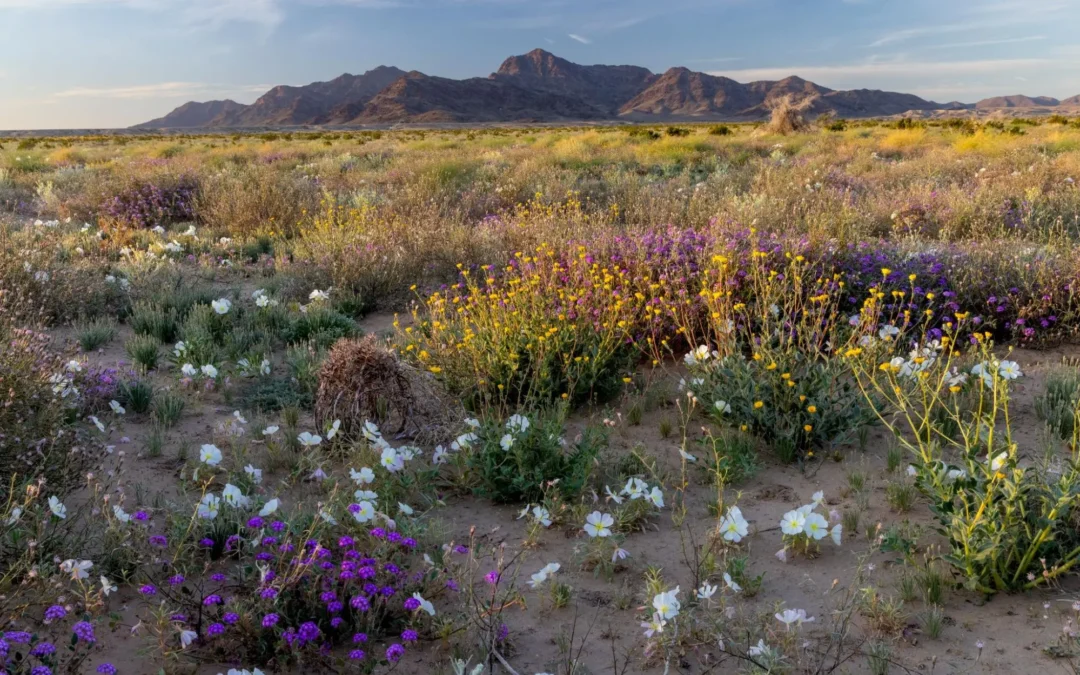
{"x":361,"y":380}
{"x":787,"y":116}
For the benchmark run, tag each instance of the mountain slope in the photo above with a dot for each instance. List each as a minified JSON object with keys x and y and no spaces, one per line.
{"x":422,"y":98}
{"x":192,"y":115}
{"x":604,"y":87}
{"x":1017,"y":101}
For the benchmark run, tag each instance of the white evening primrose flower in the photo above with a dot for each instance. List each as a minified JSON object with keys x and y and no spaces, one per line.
{"x":365,"y":476}
{"x":264,"y":367}
{"x":117,"y":408}
{"x":57,"y":507}
{"x":1009,"y":370}
{"x":723,"y":406}
{"x":517,"y":424}
{"x":758,"y":649}
{"x":188,"y":370}
{"x":78,"y":569}
{"x":319,"y":295}
{"x":366,"y":495}
{"x":612,"y":496}
{"x":888,"y":332}
{"x":599,"y":524}
{"x":635,"y":488}
{"x":818,"y":498}
{"x":731,"y":583}
{"x":983,"y":372}
{"x":234,"y":497}
{"x":999,"y":461}
{"x":391,"y":460}
{"x":793,"y":523}
{"x":120,"y":514}
{"x":687,"y":456}
{"x":654,"y":625}
{"x":97,"y":423}
{"x":209,"y":371}
{"x":255,"y":474}
{"x":73,"y":366}
{"x":667,"y":604}
{"x":262,"y":301}
{"x":706,"y":591}
{"x":816,"y":527}
{"x":107,"y":586}
{"x":656,"y":497}
{"x":838,"y":534}
{"x":308,"y":439}
{"x":16,"y":513}
{"x":371,"y":431}
{"x":506,"y":442}
{"x":270,"y":507}
{"x":439,"y":455}
{"x":365,"y":513}
{"x":210,"y":455}
{"x":733,"y":526}
{"x":209,"y":506}
{"x":405,"y":508}
{"x":542,"y":516}
{"x":793,"y":616}
{"x":911,"y":470}
{"x":472,"y":422}
{"x":221,"y":305}
{"x":424,"y":604}
{"x":270,"y":430}
{"x":332,"y":431}
{"x":187,"y":637}
{"x":327,"y":517}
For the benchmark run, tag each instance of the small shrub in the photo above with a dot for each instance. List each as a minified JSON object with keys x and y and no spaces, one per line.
{"x":901,"y":496}
{"x":168,"y":408}
{"x":137,"y":395}
{"x":95,"y":333}
{"x":1059,"y":403}
{"x":516,"y":461}
{"x":143,"y":350}
{"x":720,"y":130}
{"x":153,"y":319}
{"x":933,"y":622}
{"x":731,"y":456}
{"x":677,"y":131}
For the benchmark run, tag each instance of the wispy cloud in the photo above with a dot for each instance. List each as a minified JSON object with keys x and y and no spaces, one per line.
{"x":161,"y":90}
{"x":896,"y":68}
{"x":719,"y":59}
{"x":583,"y":40}
{"x":986,"y":43}
{"x":203,"y":13}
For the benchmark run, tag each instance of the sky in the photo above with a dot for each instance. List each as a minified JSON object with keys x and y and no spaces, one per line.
{"x":113,"y":63}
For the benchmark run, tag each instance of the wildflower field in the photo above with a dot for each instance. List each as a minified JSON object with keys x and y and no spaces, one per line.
{"x":692,"y":399}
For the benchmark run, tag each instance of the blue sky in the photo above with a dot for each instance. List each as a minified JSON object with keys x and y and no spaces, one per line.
{"x":110,"y":63}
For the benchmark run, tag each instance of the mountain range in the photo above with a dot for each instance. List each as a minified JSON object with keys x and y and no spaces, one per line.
{"x":542,"y":87}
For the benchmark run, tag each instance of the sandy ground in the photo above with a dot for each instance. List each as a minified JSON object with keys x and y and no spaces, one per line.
{"x":1014,"y":628}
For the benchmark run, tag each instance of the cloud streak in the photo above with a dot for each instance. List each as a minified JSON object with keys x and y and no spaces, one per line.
{"x":887,"y":68}
{"x":579,"y":38}
{"x":160,"y":90}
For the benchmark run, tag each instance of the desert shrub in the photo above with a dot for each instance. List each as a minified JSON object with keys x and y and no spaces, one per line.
{"x":730,"y":457}
{"x":136,"y":395}
{"x":252,"y":199}
{"x":1010,"y":527}
{"x":641,"y":132}
{"x":154,"y":320}
{"x":361,"y":380}
{"x":720,"y":130}
{"x":143,"y":350}
{"x":1059,"y":403}
{"x":95,"y":333}
{"x":149,"y":203}
{"x":516,"y":460}
{"x":168,"y":408}
{"x":786,"y":114}
{"x":320,"y":324}
{"x":677,"y":131}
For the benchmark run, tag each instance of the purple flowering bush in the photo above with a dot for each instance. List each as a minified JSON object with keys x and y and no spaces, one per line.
{"x":149,"y":203}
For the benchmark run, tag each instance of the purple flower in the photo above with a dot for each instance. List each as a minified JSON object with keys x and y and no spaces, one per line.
{"x":230,"y":618}
{"x":256,"y":523}
{"x":504,"y":632}
{"x":107,"y":669}
{"x":19,"y":637}
{"x":408,"y":542}
{"x":309,"y":631}
{"x":394,"y":653}
{"x":218,"y":577}
{"x":270,"y":620}
{"x":409,"y":635}
{"x":41,"y":670}
{"x":141,"y":516}
{"x":412,"y":604}
{"x":206,"y":543}
{"x":43,"y":649}
{"x":215,"y":629}
{"x":55,"y":613}
{"x":345,"y":542}
{"x":84,"y":631}
{"x":356,"y":654}
{"x":176,"y":580}
{"x":268,"y":593}
{"x":492,"y":577}
{"x":462,"y":550}
{"x":359,"y":638}
{"x":277,"y":526}
{"x":148,"y":589}
{"x":335,"y":607}
{"x":360,"y":603}
{"x":378,"y":533}
{"x":336,"y":621}
{"x":394,"y":537}
{"x":212,"y":599}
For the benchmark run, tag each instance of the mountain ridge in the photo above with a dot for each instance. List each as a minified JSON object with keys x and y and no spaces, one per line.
{"x":541,"y":87}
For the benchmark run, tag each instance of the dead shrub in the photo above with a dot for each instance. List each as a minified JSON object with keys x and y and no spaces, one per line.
{"x":787,"y":116}
{"x":362,"y":380}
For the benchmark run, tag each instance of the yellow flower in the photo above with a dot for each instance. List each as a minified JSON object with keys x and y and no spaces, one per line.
{"x":758,"y":405}
{"x":771,"y":366}
{"x":811,"y":409}
{"x":435,"y":369}
{"x":626,"y":380}
{"x":743,"y":428}
{"x":954,"y":389}
{"x":785,"y":376}
{"x":808,"y":428}
{"x":565,"y":395}
{"x":885,"y":271}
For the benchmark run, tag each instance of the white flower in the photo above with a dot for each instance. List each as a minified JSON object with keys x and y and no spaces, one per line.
{"x":838,"y":534}
{"x":234,"y":497}
{"x":911,"y":470}
{"x":308,"y":439}
{"x":262,"y":301}
{"x":612,"y":496}
{"x":78,"y":569}
{"x":731,"y":583}
{"x":117,"y":408}
{"x":365,"y":513}
{"x":366,"y":495}
{"x":189,"y":370}
{"x":424,"y":604}
{"x":439,"y":455}
{"x":818,"y":498}
{"x":888,"y":331}
{"x":734,"y":526}
{"x":73,"y":366}
{"x":332,"y":431}
{"x":999,"y":461}
{"x":1009,"y":370}
{"x":723,"y":406}
{"x":464,"y":441}
{"x":270,"y":430}
{"x":405,"y":508}
{"x":793,"y":616}
{"x":210,"y":455}
{"x":325,"y":515}
{"x":187,"y":637}
{"x":121,"y":514}
{"x":687,"y":456}
{"x":506,"y":442}
{"x":57,"y":507}
{"x":816,"y":526}
{"x":853,"y":320}
{"x":983,"y":371}
{"x":106,"y":586}
{"x":364,"y":476}
{"x":256,"y":474}
{"x":599,"y":524}
{"x":209,"y":371}
{"x":371,"y":432}
{"x":319,"y":295}
{"x":542,"y":516}
{"x":656,"y":497}
{"x":391,"y":460}
{"x":222,"y":305}
{"x":793,"y":523}
{"x":472,"y":422}
{"x":619,"y":554}
{"x":16,"y":513}
{"x":209,"y":506}
{"x":706,"y":591}
{"x":758,"y":649}
{"x":635,"y":488}
{"x":517,"y":424}
{"x":656,"y":625}
{"x":97,"y":423}
{"x":667,"y":604}
{"x":270,"y":507}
